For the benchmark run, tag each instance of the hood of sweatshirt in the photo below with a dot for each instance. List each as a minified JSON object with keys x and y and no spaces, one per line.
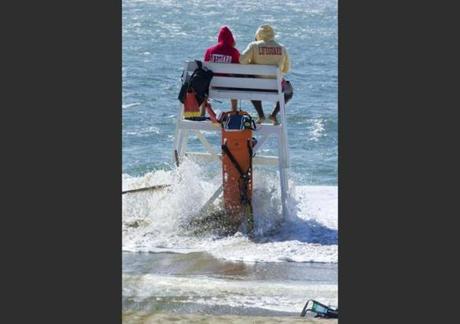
{"x":265,"y":32}
{"x":226,"y":37}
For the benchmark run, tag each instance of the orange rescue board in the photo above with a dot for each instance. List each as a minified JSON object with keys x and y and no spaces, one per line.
{"x":237,"y":143}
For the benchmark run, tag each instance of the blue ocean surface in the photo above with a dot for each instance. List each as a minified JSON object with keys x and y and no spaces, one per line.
{"x":158,"y":36}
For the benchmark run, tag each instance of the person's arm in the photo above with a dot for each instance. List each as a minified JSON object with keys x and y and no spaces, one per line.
{"x":247,"y":56}
{"x":286,"y":64}
{"x":207,"y":56}
{"x":236,"y":56}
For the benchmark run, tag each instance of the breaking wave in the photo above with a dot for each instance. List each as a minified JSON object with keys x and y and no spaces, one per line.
{"x":161,"y":220}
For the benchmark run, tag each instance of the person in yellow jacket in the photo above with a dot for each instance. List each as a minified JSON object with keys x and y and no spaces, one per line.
{"x":265,"y":50}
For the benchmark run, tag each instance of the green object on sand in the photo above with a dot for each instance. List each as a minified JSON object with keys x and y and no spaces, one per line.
{"x":320,"y":310}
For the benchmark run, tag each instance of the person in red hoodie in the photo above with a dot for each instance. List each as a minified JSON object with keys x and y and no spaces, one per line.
{"x":224,"y":52}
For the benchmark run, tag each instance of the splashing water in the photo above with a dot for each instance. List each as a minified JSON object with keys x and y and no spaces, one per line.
{"x":155,"y":221}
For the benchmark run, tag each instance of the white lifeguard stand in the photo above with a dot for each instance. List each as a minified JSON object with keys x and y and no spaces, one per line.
{"x":256,"y":82}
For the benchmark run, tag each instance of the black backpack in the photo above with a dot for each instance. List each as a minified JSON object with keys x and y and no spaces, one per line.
{"x":199,"y":81}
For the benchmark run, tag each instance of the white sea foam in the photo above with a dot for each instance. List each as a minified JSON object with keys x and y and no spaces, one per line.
{"x":134,"y":104}
{"x":143,"y":132}
{"x":316,"y":130}
{"x":157,"y":220}
{"x":278,"y":296}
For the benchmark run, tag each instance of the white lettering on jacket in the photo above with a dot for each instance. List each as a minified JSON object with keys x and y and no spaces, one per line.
{"x":220,"y":58}
{"x":270,"y":50}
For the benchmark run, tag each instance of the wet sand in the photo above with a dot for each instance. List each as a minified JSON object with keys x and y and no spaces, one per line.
{"x":198,"y":288}
{"x":233,"y":319}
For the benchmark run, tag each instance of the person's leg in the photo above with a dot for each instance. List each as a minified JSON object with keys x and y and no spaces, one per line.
{"x":258,"y":106}
{"x":234,"y":104}
{"x":276,"y":110}
{"x":287,"y":97}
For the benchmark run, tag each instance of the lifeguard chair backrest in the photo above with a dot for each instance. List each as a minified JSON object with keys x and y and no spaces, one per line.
{"x":242,"y":81}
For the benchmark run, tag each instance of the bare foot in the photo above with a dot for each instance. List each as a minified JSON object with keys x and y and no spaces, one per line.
{"x":274,"y":120}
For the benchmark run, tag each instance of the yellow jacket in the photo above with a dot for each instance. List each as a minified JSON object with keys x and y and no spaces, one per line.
{"x":265,"y":50}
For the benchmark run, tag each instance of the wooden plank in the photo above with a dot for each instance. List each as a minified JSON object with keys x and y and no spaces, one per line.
{"x":203,"y":156}
{"x":265,"y":160}
{"x":214,"y":196}
{"x":258,"y":159}
{"x":206,"y":144}
{"x":267,"y":129}
{"x":255,"y":69}
{"x":245,"y":83}
{"x":205,"y":125}
{"x":244,"y":95}
{"x":150,"y":188}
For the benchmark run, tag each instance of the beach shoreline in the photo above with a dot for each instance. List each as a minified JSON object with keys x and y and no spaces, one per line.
{"x":130,"y":317}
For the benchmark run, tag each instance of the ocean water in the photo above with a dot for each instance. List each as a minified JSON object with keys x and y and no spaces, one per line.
{"x":171,"y":266}
{"x":159,"y":35}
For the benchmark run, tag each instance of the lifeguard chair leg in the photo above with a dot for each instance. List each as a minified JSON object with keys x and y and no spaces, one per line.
{"x":283,"y":159}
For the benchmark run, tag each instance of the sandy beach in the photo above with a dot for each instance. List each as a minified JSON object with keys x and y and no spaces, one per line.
{"x":234,"y":319}
{"x":198,"y":288}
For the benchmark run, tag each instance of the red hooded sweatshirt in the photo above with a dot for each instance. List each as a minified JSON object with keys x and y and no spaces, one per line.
{"x":224,"y":51}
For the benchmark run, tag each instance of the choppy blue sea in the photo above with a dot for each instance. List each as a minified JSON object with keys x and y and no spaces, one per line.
{"x":159,"y":35}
